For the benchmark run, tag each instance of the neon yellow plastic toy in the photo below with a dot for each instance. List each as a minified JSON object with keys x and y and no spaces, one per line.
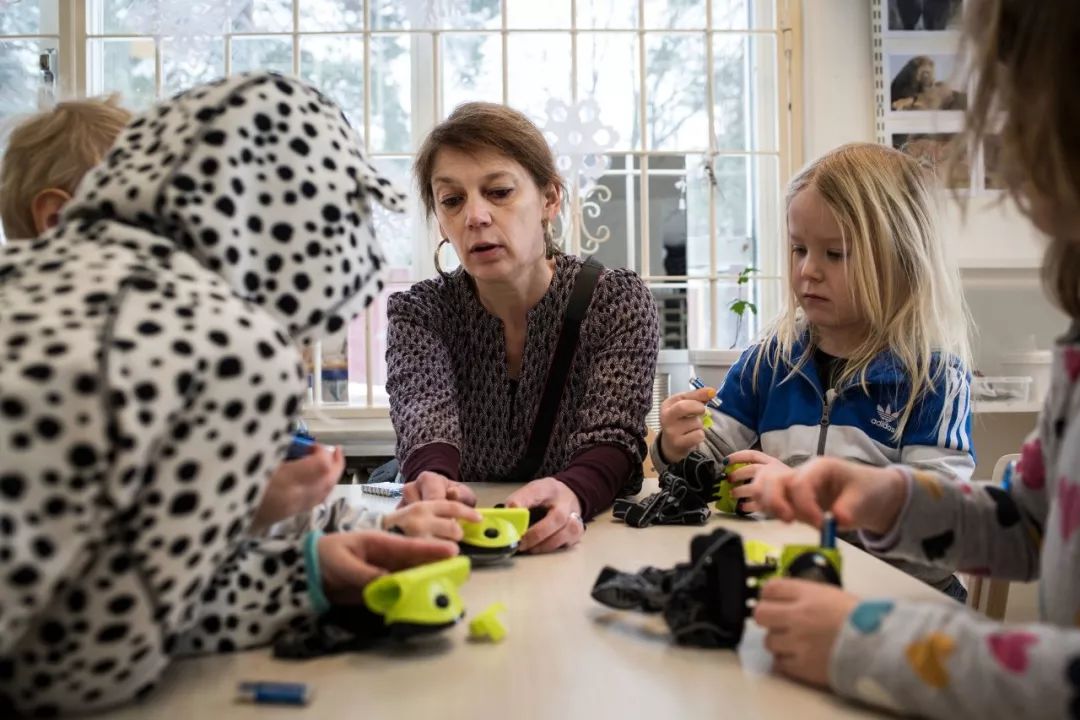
{"x":496,"y":537}
{"x":489,"y":624}
{"x":725,"y":503}
{"x":420,"y":600}
{"x":819,"y":562}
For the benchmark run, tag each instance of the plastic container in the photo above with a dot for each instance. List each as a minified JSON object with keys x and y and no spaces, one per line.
{"x":1035,"y":364}
{"x":1011,"y":389}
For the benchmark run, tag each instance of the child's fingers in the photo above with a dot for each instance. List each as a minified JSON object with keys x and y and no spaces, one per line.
{"x":744,"y":474}
{"x":773,"y":497}
{"x":453,"y":509}
{"x":749,"y":456}
{"x":804,"y":500}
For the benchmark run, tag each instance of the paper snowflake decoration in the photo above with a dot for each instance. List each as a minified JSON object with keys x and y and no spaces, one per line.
{"x":184,"y":18}
{"x":579,"y":141}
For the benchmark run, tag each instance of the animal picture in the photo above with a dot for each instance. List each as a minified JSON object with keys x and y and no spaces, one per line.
{"x":933,"y":15}
{"x":938,"y":151}
{"x":917,"y":87}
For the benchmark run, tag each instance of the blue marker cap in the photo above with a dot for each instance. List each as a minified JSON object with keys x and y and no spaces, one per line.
{"x":828,"y":531}
{"x":273,"y":693}
{"x":697,"y":383}
{"x":301,"y":446}
{"x":1007,"y":476}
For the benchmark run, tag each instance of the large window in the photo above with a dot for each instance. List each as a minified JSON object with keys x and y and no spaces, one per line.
{"x":672,"y":118}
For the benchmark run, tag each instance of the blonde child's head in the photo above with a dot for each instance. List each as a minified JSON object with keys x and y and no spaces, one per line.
{"x":866,"y":262}
{"x":46,"y":157}
{"x":1023,"y":54}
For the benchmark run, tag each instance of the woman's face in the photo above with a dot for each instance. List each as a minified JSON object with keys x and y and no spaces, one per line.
{"x":490,"y":209}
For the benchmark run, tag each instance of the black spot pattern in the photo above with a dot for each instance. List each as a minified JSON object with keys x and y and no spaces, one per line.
{"x":117,"y":370}
{"x":936,"y":546}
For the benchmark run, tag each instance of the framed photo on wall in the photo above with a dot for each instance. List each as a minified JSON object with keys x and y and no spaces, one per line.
{"x":921,"y":94}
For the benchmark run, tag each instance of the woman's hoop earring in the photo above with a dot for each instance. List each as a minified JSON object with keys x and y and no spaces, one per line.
{"x":437,"y":265}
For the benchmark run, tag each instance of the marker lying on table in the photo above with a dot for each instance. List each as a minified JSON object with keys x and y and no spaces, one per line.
{"x":273,"y":693}
{"x":828,"y":531}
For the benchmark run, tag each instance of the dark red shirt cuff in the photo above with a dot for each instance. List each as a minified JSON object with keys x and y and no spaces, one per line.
{"x":596,"y":476}
{"x":439,"y":457}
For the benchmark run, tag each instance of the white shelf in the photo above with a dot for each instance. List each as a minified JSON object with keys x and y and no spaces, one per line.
{"x":985,"y":407}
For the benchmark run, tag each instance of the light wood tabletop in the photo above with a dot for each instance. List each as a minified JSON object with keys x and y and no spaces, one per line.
{"x":565,"y":656}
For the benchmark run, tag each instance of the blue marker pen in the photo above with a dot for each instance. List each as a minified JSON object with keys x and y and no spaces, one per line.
{"x":273,"y":693}
{"x":1007,"y":476}
{"x":714,"y":402}
{"x":828,"y":531}
{"x":301,"y":446}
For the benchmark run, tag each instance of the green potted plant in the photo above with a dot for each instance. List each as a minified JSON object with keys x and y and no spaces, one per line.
{"x":712,"y":365}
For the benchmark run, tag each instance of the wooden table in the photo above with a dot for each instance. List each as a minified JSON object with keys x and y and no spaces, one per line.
{"x":565,"y":655}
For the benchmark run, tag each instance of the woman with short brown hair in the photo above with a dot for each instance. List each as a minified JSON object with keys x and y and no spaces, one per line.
{"x":470,"y":353}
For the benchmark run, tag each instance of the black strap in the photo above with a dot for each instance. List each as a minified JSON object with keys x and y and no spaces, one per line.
{"x":576,"y":309}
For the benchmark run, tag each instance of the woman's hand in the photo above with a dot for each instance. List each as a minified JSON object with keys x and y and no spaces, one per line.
{"x":348,"y":561}
{"x":681,"y":427}
{"x":860,"y":496}
{"x":802,"y":620}
{"x":431,"y":519}
{"x":299,"y":485}
{"x":563,"y":525}
{"x":754,"y":461}
{"x":433,"y":486}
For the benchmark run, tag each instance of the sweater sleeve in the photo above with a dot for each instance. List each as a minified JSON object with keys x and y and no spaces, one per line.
{"x":938,"y":433}
{"x":624,"y":338}
{"x":944,"y":660}
{"x":420,"y":380}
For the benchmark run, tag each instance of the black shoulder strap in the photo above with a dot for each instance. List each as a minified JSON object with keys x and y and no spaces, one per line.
{"x":580,"y":297}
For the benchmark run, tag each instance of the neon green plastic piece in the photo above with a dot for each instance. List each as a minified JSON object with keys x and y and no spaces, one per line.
{"x":499,"y":528}
{"x":760,"y":553}
{"x":725,"y":503}
{"x":424,"y":595}
{"x":489,"y":625}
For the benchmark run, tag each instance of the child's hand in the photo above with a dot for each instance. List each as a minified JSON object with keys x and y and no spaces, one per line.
{"x":299,"y":485}
{"x":681,"y":428}
{"x":348,"y":561}
{"x":802,"y":619}
{"x":433,"y":486}
{"x":431,"y":519}
{"x":860,"y":496}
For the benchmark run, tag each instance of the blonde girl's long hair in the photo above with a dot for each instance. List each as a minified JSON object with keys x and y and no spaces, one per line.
{"x":908,"y":294}
{"x":1022,"y":54}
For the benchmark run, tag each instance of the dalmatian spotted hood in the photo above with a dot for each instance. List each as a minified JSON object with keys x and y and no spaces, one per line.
{"x":261,"y":179}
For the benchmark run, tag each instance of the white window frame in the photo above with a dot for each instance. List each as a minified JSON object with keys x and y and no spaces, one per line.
{"x":76,"y":71}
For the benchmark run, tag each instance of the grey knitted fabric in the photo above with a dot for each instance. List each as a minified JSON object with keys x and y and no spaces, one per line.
{"x":448,"y":381}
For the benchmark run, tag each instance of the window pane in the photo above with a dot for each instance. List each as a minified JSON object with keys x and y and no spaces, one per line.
{"x":745,"y":113}
{"x":190,"y":61}
{"x":672,"y":309}
{"x":732,"y":328}
{"x":160,"y":18}
{"x":264,"y":16}
{"x":124,"y":66}
{"x":610,"y":216}
{"x":21,"y":90}
{"x":665,"y":14}
{"x":391,"y":92}
{"x":444,"y":15}
{"x":743,"y":14}
{"x":262,"y":53}
{"x":331,"y":15}
{"x":533,"y":14}
{"x":539,"y":71}
{"x":394,"y":231}
{"x":616,"y":92}
{"x":29,"y":17}
{"x":335,"y":65}
{"x":471,"y":69}
{"x":676,"y":96}
{"x":607,"y":14}
{"x":358,"y":346}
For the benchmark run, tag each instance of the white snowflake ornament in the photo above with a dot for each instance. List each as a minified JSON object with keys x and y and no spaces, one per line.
{"x":579,"y":141}
{"x":184,"y":18}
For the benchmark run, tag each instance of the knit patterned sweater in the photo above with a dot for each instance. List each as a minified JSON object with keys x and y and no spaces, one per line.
{"x":456,"y":409}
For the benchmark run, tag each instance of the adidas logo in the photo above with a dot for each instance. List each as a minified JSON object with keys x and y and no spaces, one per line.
{"x":886,"y":418}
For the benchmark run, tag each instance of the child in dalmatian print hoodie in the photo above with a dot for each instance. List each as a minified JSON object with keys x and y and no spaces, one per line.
{"x":939,"y":660}
{"x":149,"y":379}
